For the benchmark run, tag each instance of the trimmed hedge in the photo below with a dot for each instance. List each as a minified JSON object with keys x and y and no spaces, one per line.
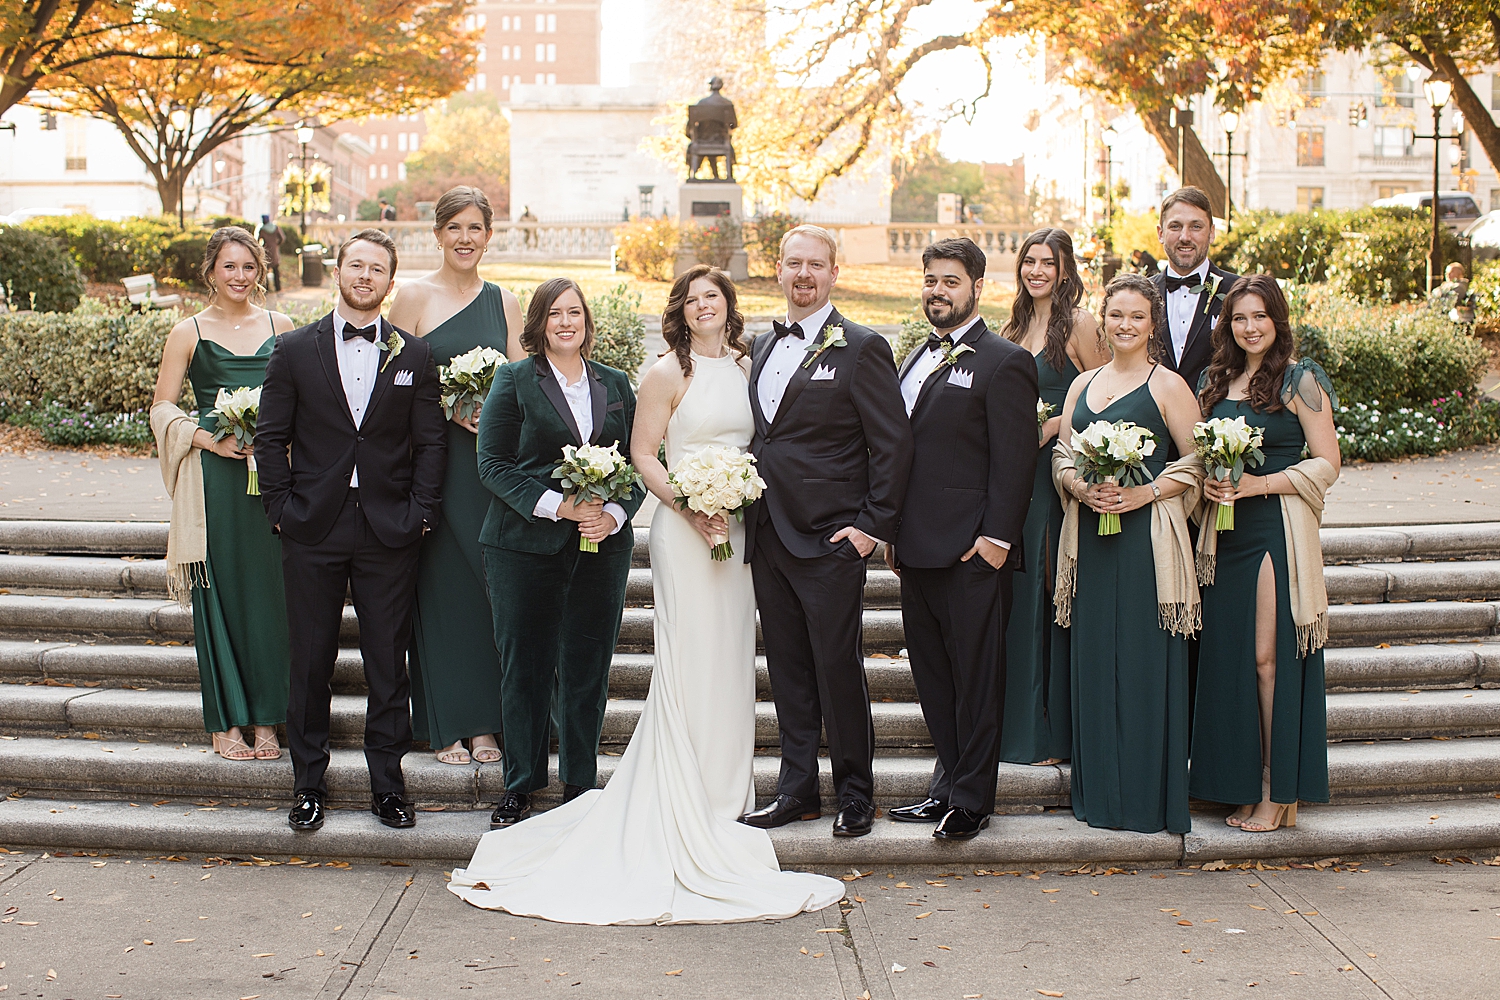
{"x":96,"y":359}
{"x":648,"y":247}
{"x":109,"y":251}
{"x":36,"y":273}
{"x":619,"y":331}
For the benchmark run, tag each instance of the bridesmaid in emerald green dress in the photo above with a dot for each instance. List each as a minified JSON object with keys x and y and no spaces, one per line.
{"x":1130,"y":692}
{"x":455,"y":670}
{"x":239,"y":618}
{"x":1064,"y":340}
{"x":1260,"y":734}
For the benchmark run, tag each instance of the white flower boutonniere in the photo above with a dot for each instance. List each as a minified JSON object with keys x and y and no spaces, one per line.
{"x":833,"y":336}
{"x":952,"y":353}
{"x":392,"y":346}
{"x":1209,"y":284}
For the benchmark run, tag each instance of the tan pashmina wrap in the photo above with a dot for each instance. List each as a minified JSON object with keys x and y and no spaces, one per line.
{"x":182,"y":472}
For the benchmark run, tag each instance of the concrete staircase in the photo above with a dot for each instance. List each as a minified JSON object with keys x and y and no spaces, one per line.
{"x":103,"y":744}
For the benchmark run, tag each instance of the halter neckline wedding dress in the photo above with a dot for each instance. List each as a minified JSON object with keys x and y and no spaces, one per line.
{"x":661,"y":843}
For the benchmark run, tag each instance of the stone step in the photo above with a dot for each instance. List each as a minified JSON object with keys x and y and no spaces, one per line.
{"x":1050,"y":840}
{"x":1369,"y":624}
{"x":1374,"y":583}
{"x":178,"y":716}
{"x":1358,"y":772}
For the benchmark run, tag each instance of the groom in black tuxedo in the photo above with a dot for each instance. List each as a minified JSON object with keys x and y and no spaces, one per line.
{"x":972,"y":399}
{"x":352,"y":448}
{"x":1191,"y":286}
{"x":835,"y":455}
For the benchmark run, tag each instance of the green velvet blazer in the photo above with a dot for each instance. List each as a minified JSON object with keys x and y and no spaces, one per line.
{"x":522,"y":430}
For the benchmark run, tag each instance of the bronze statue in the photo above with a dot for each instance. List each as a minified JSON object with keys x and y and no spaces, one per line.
{"x":708,"y":126}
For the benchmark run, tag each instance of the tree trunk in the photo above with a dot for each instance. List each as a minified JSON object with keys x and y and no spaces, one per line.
{"x":1476,"y":116}
{"x":1200,"y":166}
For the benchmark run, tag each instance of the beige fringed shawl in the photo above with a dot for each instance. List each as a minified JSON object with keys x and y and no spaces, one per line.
{"x":1178,"y":608}
{"x":1301,"y":516}
{"x":182,"y":472}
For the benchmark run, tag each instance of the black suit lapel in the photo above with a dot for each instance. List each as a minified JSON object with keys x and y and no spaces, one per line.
{"x":939,"y":374}
{"x":328,"y":354}
{"x":554,"y":394}
{"x":1203,"y":313}
{"x":598,"y":396}
{"x":385,"y":371}
{"x":804,"y":372}
{"x":910,"y":360}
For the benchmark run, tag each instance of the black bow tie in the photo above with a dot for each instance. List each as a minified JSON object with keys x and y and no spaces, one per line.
{"x":367,"y":332}
{"x":779,"y":330}
{"x":938,"y":343}
{"x":1174,"y":283}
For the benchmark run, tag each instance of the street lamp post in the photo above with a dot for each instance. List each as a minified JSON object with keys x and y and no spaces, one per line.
{"x":1231,"y":123}
{"x":1437,"y":91}
{"x":1088,"y":116}
{"x":304,"y":139}
{"x":1110,"y":137}
{"x":180,"y":120}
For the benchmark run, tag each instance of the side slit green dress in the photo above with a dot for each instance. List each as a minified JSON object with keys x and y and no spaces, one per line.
{"x":1130,"y":686}
{"x":1226,"y":724}
{"x":454,"y":667}
{"x":1037,"y":724}
{"x":239,"y":620}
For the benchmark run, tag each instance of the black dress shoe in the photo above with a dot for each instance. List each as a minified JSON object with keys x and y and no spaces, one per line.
{"x":926,"y":811}
{"x":511,"y":809}
{"x":392,"y":810}
{"x":960,"y":824}
{"x":308,"y":813}
{"x":571,"y":792}
{"x":782,"y":810}
{"x":855,"y":819}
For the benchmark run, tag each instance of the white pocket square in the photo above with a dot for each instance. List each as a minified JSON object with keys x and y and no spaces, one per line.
{"x":402,"y":378}
{"x":961,"y":377}
{"x":823,"y":373}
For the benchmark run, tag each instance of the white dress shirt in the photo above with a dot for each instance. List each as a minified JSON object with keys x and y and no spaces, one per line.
{"x":1182,"y":305}
{"x":789,"y":352}
{"x":925,"y":364}
{"x":581,"y":403}
{"x":359,"y":363}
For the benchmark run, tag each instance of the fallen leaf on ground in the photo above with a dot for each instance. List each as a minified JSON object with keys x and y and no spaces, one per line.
{"x":1050,"y":993}
{"x":1371,"y":954}
{"x":819,"y":954}
{"x":803,"y":950}
{"x":1052,"y":890}
{"x":828,"y":930}
{"x":1254,"y":907}
{"x":207,"y":876}
{"x":674,"y":972}
{"x":931,"y":965}
{"x":319,"y":953}
{"x":945,"y":947}
{"x":897,"y":968}
{"x":921,"y":915}
{"x":902,"y":885}
{"x":184,"y":941}
{"x":264,"y":954}
{"x":1184,"y":923}
{"x":307,"y":914}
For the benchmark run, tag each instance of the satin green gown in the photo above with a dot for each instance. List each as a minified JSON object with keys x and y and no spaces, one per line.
{"x":455,"y":670}
{"x":1130,"y":676}
{"x":239,"y":620}
{"x":1038,"y":712}
{"x":1226,"y":724}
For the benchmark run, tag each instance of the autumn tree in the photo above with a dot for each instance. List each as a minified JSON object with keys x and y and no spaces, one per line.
{"x":264,"y":65}
{"x":467,"y":142}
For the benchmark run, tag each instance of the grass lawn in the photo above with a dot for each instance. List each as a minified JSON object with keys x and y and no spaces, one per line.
{"x":869,"y":294}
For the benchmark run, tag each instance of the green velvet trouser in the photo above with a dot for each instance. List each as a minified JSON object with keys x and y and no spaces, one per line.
{"x":557,"y":619}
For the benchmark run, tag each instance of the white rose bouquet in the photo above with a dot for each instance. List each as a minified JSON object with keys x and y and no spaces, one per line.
{"x":465,"y":381}
{"x":1228,"y":448}
{"x":595,"y":473}
{"x":1113,"y":453}
{"x":1044,"y":411}
{"x":717,"y":480}
{"x":236,"y":413}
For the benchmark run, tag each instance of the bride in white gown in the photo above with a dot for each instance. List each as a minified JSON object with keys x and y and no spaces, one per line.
{"x":660,"y":844}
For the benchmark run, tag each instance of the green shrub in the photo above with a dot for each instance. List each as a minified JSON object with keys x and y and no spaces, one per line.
{"x":914,"y":332}
{"x":647,"y":248}
{"x":619,"y":331}
{"x":368,"y":210}
{"x":71,"y":428}
{"x":183,"y":257}
{"x":1387,"y":261}
{"x":37,"y":273}
{"x":107,"y":251}
{"x":716,"y":243}
{"x":1294,"y":246}
{"x":1485,"y":287}
{"x":98,"y":358}
{"x":763,"y":240}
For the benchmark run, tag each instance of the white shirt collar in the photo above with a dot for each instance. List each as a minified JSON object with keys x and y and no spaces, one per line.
{"x":1201,"y":271}
{"x":562,"y":379}
{"x":808,"y":326}
{"x":963,"y":331}
{"x":339,"y":322}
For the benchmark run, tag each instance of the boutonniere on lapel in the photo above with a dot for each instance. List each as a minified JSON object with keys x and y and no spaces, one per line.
{"x":952,"y":353}
{"x":392,"y":346}
{"x":833,"y":336}
{"x":1209,"y":284}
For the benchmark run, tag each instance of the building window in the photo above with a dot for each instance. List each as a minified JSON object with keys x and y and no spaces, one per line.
{"x":1314,"y":87}
{"x":373,"y":171}
{"x":385,"y":141}
{"x":1309,"y":147}
{"x":1309,"y":198}
{"x":551,"y":52}
{"x":416,"y":137}
{"x":481,"y":52}
{"x":1393,"y":141}
{"x":551,"y":79}
{"x":75,"y":144}
{"x":401,"y":145}
{"x":551,"y":23}
{"x":541,"y":78}
{"x":1390,"y":190}
{"x":541,"y":52}
{"x":505,"y":83}
{"x":504,"y":53}
{"x":1395,"y":90}
{"x":385,"y":171}
{"x":505,"y":23}
{"x":1495,"y":91}
{"x":479,"y":84}
{"x":541,"y":23}
{"x":401,"y":172}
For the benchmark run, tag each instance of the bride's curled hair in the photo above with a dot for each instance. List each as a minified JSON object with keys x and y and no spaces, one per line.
{"x":674,"y":326}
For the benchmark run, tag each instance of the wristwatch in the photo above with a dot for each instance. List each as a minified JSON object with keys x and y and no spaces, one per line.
{"x":1155,"y":492}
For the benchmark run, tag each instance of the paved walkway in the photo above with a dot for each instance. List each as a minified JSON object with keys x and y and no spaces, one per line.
{"x":221,"y":928}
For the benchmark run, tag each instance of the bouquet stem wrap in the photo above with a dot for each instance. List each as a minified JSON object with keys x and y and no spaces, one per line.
{"x":717,"y":480}
{"x":237,"y":413}
{"x":594,"y":472}
{"x":1228,"y":448}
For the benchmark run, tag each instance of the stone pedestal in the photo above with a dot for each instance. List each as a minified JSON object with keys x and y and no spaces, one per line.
{"x":702,"y":203}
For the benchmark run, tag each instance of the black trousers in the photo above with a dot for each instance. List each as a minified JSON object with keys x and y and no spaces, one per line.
{"x":955,"y":622}
{"x":382,"y":581}
{"x":810,"y":612}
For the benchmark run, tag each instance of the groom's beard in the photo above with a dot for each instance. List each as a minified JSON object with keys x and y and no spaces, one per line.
{"x":946,"y":314}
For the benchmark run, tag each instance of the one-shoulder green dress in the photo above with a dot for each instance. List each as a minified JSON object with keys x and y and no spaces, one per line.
{"x":455,"y":670}
{"x":239,"y":620}
{"x":1038,"y":711}
{"x":1130,"y":676}
{"x":1226,"y":724}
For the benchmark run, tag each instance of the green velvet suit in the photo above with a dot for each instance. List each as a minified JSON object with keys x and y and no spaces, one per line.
{"x":557,"y":609}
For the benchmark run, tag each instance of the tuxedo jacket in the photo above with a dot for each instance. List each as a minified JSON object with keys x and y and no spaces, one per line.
{"x":975,"y":437}
{"x":525,"y":423}
{"x":307,"y":447}
{"x":1199,"y":349}
{"x":838,"y":451}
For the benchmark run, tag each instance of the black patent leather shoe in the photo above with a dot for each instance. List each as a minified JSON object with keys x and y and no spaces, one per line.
{"x":782,"y":810}
{"x":308,"y":813}
{"x":855,"y":819}
{"x":392,"y":810}
{"x":926,"y":811}
{"x":571,"y":792}
{"x":510,"y":810}
{"x":960,"y":824}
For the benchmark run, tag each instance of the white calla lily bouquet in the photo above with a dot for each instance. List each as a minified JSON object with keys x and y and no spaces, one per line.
{"x":594,"y":472}
{"x":1113,"y":453}
{"x":717,"y":480}
{"x":1228,"y":447}
{"x":236,"y":413}
{"x":465,"y":381}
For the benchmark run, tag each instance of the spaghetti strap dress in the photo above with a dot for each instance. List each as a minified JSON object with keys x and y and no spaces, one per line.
{"x":239,"y":619}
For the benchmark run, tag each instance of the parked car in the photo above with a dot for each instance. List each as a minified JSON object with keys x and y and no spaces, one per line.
{"x":1484,"y":236}
{"x":1456,"y":208}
